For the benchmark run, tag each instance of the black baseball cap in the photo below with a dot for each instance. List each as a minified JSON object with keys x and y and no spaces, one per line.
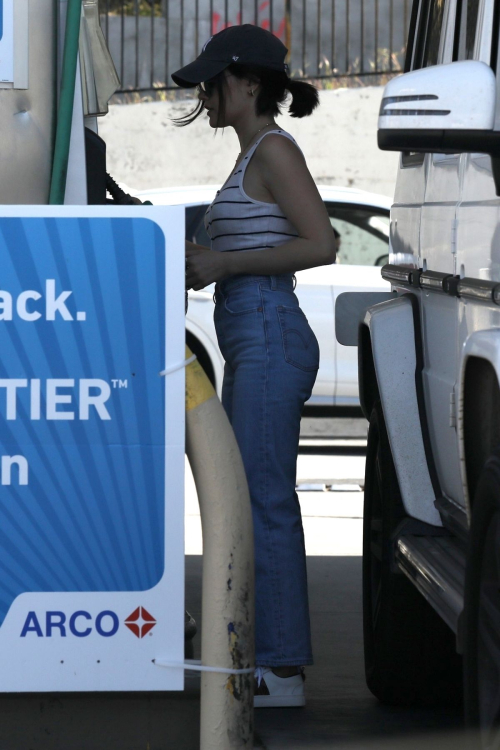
{"x":245,"y":45}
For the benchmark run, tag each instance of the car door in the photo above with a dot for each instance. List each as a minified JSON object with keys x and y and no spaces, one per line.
{"x":438,"y":235}
{"x":362,"y":250}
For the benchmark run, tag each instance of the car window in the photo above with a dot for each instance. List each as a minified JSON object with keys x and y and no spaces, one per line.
{"x":465,"y":33}
{"x":195,"y":225}
{"x":363,"y":234}
{"x":431,"y":15}
{"x":431,"y":50}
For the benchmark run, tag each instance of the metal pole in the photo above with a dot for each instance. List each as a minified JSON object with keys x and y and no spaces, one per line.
{"x":182,"y":33}
{"x":362,"y":34}
{"x":304,"y":25}
{"x":346,"y":36}
{"x":318,"y":39}
{"x":136,"y":44}
{"x":332,"y":52}
{"x":228,"y":568}
{"x":376,"y":36}
{"x":167,"y":35}
{"x":196,"y":23}
{"x":153,"y":11}
{"x":391,"y":31}
{"x":122,"y":40}
{"x":288,"y":30}
{"x":271,"y":16}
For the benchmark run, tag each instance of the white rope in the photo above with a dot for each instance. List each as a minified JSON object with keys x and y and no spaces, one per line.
{"x":178,"y":366}
{"x":195,"y":665}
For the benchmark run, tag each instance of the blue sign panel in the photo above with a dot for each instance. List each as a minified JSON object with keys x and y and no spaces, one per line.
{"x":82,"y":427}
{"x":91,"y":448}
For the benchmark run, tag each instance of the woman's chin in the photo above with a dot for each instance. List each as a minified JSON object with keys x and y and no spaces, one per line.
{"x":212,"y":120}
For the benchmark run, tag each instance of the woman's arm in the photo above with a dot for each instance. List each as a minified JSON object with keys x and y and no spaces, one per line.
{"x":285,"y":175}
{"x":193,"y":246}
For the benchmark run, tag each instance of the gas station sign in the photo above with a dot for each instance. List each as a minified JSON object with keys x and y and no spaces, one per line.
{"x":91,"y":448}
{"x":6,"y":41}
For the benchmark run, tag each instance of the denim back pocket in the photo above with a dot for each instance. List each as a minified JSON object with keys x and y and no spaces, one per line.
{"x":299,"y":342}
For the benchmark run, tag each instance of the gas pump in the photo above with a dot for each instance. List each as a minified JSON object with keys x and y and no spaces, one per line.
{"x":93,"y":375}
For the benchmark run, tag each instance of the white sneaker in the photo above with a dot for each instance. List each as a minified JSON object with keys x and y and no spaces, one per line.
{"x":272,"y":691}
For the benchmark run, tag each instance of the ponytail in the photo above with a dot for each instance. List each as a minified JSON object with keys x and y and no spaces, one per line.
{"x":275,"y":85}
{"x":305,"y":98}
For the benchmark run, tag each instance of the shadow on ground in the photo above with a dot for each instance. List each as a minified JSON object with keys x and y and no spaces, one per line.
{"x":341,"y":712}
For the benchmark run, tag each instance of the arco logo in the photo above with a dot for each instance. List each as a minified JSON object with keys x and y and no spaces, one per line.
{"x":140,"y":622}
{"x":79,"y":624}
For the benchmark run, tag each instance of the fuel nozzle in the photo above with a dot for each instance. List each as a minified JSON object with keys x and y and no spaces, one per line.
{"x":120,"y":196}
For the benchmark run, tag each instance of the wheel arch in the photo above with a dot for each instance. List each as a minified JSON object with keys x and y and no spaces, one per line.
{"x":367,"y":377}
{"x":392,"y":347}
{"x":479,"y":407}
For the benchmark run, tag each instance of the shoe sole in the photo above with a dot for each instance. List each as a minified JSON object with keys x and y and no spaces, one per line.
{"x":279,"y":701}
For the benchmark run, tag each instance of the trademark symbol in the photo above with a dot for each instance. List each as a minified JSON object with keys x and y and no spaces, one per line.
{"x":117,"y":383}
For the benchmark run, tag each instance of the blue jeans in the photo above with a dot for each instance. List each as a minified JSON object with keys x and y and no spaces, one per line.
{"x":272,"y":358}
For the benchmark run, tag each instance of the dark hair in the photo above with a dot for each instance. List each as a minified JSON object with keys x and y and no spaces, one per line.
{"x":275,"y":85}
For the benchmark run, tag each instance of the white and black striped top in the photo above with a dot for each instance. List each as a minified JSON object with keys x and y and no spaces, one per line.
{"x":234,"y":221}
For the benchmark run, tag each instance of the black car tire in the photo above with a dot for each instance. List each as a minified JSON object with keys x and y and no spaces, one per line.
{"x":482,"y":609}
{"x":410,"y":655}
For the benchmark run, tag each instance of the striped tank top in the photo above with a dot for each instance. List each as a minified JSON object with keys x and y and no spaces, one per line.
{"x":234,"y":221}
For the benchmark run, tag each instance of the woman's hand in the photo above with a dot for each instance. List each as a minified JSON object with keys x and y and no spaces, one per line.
{"x":205,"y":266}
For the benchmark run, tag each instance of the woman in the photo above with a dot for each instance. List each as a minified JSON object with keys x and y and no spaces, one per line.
{"x":266,"y":222}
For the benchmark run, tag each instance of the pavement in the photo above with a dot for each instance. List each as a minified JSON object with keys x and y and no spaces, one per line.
{"x":340,"y":711}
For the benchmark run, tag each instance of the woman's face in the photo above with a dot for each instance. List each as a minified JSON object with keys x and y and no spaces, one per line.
{"x":238,"y":102}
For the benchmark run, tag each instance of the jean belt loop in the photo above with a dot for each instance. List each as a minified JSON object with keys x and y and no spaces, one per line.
{"x":274,"y":283}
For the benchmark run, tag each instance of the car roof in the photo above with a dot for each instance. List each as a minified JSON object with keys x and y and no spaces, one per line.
{"x":193,"y":195}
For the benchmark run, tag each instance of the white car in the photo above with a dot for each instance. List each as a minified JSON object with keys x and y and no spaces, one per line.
{"x":362,"y":220}
{"x":430,"y":379}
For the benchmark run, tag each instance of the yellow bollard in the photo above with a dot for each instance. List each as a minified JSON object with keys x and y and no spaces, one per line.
{"x":228,"y":567}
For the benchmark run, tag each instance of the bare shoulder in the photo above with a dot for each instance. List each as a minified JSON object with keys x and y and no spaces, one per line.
{"x":278,"y":148}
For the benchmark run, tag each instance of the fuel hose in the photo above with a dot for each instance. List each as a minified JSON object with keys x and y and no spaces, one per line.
{"x":66,"y":101}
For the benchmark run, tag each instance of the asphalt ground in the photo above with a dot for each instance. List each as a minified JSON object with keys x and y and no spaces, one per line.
{"x":340,"y":711}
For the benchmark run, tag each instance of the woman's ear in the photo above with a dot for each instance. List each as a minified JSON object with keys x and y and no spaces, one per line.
{"x":252,"y":81}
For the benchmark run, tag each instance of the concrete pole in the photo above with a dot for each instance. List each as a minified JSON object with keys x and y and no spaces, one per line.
{"x":228,"y":568}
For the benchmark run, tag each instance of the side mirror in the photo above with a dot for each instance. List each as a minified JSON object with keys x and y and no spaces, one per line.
{"x":442,"y":109}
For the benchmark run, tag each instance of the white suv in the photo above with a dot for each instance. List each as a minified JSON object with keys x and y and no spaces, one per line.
{"x":362,"y":220}
{"x":429,"y":360}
